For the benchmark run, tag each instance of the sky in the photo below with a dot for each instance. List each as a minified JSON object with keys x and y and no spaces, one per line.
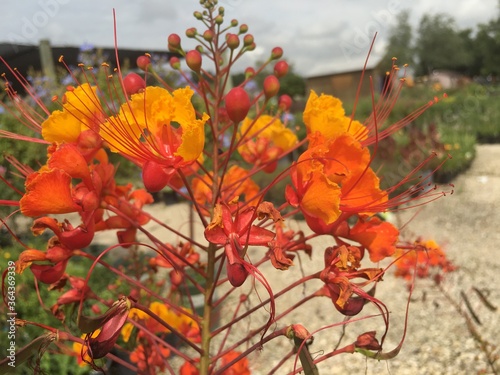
{"x":317,"y":36}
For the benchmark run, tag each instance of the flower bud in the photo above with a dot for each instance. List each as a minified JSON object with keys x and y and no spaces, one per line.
{"x":237,"y":274}
{"x":176,"y":278}
{"x":219,"y":20}
{"x":154,"y":176}
{"x":133,"y":83}
{"x":193,"y":60}
{"x":234,"y":23}
{"x":271,"y":86}
{"x":368,"y":341}
{"x":208,"y":35}
{"x":243,"y":28}
{"x":248,"y":40}
{"x":143,"y":62}
{"x":285,"y":102}
{"x":237,"y":104}
{"x":249,"y":72}
{"x":175,"y":63}
{"x":174,"y":40}
{"x":221,"y":11}
{"x":281,"y":68}
{"x":198,"y":15}
{"x":191,"y":32}
{"x":276,"y":53}
{"x":233,"y":41}
{"x":116,"y":316}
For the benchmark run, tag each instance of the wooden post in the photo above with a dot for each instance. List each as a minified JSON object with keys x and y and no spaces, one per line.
{"x":47,"y":61}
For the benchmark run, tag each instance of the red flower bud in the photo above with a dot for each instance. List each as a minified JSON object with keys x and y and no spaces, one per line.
{"x":237,"y":104}
{"x":281,"y":68}
{"x":237,"y":274}
{"x":193,"y":60}
{"x":271,"y":86}
{"x":248,"y":40}
{"x":175,"y":63}
{"x":285,"y":102}
{"x":234,"y":23}
{"x":176,"y":278}
{"x":154,"y":176}
{"x":143,"y":62}
{"x":133,"y":83}
{"x":233,"y":41}
{"x":208,"y":35}
{"x":174,"y":40}
{"x":276,"y":53}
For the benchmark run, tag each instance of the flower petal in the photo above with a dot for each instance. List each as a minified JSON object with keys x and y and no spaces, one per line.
{"x":48,"y":192}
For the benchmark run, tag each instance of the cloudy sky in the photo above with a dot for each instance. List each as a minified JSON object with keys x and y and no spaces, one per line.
{"x":318,"y":36}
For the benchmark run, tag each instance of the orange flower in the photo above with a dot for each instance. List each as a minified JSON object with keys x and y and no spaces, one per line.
{"x":158,"y":131}
{"x":426,"y":259}
{"x":48,"y":192}
{"x":148,"y":358}
{"x":263,"y":140}
{"x":81,"y":352}
{"x":236,"y":183}
{"x":331,"y":177}
{"x":377,"y":236}
{"x":238,"y":368}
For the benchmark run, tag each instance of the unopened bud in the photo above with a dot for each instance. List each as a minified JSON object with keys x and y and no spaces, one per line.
{"x":249,"y":72}
{"x":281,"y":68}
{"x":243,"y":28}
{"x":237,"y":274}
{"x":271,"y":86}
{"x":248,"y":40}
{"x":154,"y":176}
{"x":285,"y":102}
{"x":219,"y":20}
{"x":193,"y":60}
{"x":175,"y":63}
{"x":191,"y":32}
{"x":143,"y":62}
{"x":208,"y":35}
{"x":133,"y":83}
{"x":233,"y":41}
{"x":276,"y":53}
{"x":237,"y":104}
{"x":234,"y":23}
{"x":174,"y":40}
{"x":198,"y":15}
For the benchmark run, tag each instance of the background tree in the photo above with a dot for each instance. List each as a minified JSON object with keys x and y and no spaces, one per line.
{"x":399,"y":43}
{"x":440,"y":45}
{"x":487,"y":48}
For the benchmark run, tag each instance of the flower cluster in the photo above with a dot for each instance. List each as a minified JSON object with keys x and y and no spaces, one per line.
{"x":221,"y":149}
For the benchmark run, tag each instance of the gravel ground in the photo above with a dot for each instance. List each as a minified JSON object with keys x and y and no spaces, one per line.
{"x":467,"y":225}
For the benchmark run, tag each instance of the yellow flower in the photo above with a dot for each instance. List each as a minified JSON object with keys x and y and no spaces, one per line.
{"x":82,"y":111}
{"x":77,"y":350}
{"x":157,"y":125}
{"x":326,"y":115}
{"x":263,"y":140}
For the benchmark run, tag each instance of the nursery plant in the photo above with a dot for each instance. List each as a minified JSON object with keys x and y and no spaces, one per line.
{"x":206,"y":293}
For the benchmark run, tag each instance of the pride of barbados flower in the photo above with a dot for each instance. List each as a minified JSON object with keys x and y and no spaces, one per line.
{"x":159,"y":131}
